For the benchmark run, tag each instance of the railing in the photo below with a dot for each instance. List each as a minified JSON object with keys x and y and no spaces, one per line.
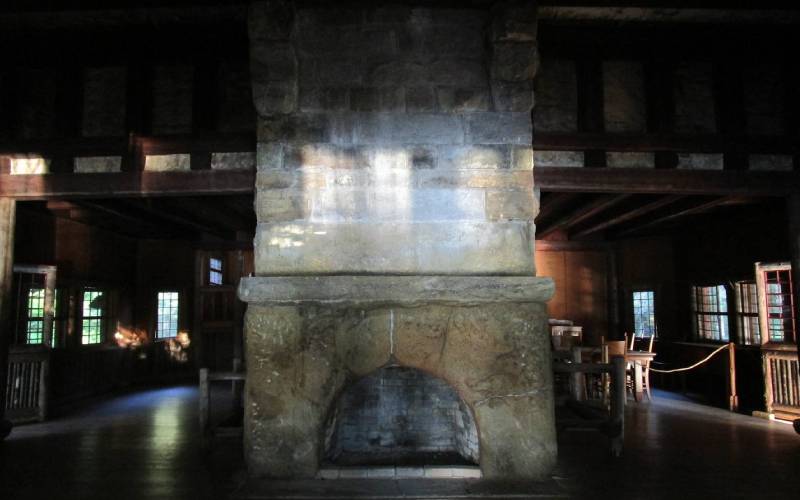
{"x":236,"y":377}
{"x":610,"y":422}
{"x":26,"y":385}
{"x":782,"y":381}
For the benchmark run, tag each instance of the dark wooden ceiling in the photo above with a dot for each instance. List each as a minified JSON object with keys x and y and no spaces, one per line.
{"x":585,"y":216}
{"x":222,"y":219}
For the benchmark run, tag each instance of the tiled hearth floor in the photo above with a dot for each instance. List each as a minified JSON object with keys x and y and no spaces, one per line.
{"x":145,"y":446}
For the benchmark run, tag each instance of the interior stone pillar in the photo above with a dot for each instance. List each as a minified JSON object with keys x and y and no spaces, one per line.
{"x":7,"y":223}
{"x":395,"y":209}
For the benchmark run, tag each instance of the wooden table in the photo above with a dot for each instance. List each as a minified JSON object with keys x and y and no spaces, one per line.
{"x":638,"y":359}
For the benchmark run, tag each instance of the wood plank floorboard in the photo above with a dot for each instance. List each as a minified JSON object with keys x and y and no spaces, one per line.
{"x":145,"y":446}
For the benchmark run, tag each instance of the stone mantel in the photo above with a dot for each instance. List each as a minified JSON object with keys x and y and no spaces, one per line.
{"x":398,"y":290}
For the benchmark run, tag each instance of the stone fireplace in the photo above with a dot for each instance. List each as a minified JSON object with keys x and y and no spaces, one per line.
{"x":395,"y":202}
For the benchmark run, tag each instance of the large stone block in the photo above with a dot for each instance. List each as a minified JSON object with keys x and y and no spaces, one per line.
{"x":271,"y":20}
{"x":458,"y":72}
{"x":396,"y":204}
{"x":474,"y":157}
{"x":514,"y":21}
{"x":512,"y":96}
{"x":499,"y":128}
{"x":298,"y":128}
{"x":461,"y":100}
{"x":510,"y":205}
{"x":395,"y":247}
{"x":273,"y":61}
{"x":514,"y":62}
{"x":419,"y":128}
{"x":275,"y":98}
{"x":397,"y":73}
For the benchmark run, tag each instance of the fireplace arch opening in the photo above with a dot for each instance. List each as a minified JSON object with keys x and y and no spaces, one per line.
{"x":401,"y":416}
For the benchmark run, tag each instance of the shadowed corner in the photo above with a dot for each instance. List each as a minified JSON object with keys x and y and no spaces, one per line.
{"x":5,"y":429}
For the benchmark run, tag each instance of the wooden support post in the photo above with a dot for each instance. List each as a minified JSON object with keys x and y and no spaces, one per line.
{"x":7,"y":224}
{"x":618,"y":403}
{"x":205,"y":403}
{"x":733,"y":398}
{"x":613,"y":295}
{"x":578,"y":384}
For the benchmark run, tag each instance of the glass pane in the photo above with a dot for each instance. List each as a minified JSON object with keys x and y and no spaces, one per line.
{"x":93,"y":303}
{"x":644,"y":313}
{"x":35,"y":332}
{"x":167,"y":315}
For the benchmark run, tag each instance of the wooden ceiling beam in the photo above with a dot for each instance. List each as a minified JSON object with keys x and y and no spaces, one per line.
{"x":150,"y":226}
{"x":696,"y":209}
{"x":667,"y":181}
{"x":629,"y":215}
{"x":172,"y":217}
{"x":665,"y":142}
{"x":582,"y":214}
{"x":127,"y":184}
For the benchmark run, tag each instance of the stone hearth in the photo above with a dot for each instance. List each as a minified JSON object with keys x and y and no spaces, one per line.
{"x":395,"y":205}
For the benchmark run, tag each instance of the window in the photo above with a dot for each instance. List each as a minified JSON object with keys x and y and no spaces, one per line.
{"x":747,"y":309}
{"x":34,"y":327}
{"x":92,"y":317}
{"x":778,"y":295}
{"x":644,"y":313}
{"x":711,"y":312}
{"x":167,"y":315}
{"x":214,"y":271}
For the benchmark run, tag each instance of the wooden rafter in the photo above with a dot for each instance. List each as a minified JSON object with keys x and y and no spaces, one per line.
{"x":696,"y":209}
{"x":629,"y":215}
{"x":171,"y":216}
{"x":583,"y":213}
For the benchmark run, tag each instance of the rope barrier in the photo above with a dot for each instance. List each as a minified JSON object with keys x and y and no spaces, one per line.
{"x":726,"y":346}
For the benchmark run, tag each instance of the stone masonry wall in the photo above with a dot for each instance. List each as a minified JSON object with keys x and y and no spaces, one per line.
{"x":393,"y":139}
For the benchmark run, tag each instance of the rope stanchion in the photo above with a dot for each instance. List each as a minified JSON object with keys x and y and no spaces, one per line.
{"x":726,"y":346}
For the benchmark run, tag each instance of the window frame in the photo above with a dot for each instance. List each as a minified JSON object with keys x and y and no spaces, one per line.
{"x":212,"y":271}
{"x":100,"y":319}
{"x":652,"y":301}
{"x":35,"y":319}
{"x":178,"y":307}
{"x":700,"y":315}
{"x":761,"y":271}
{"x":747,"y":310}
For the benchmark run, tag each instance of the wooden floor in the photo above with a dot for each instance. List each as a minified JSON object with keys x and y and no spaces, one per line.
{"x":145,"y":446}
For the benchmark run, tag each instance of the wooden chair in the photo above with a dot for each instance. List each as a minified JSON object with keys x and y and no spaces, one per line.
{"x":609,"y":349}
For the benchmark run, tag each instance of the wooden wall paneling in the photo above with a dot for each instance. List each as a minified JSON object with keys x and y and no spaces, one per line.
{"x":587,"y":292}
{"x":552,"y":264}
{"x":590,"y":105}
{"x":660,"y":106}
{"x":7,"y":224}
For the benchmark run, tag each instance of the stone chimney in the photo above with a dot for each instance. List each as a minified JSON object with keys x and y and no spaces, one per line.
{"x":395,"y":201}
